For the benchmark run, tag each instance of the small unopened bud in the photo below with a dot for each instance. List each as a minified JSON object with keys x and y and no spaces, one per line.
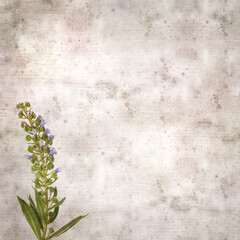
{"x":54,"y":175}
{"x":28,"y":138}
{"x":44,"y":136}
{"x":27,"y":104}
{"x":30,"y":149}
{"x":50,"y":166}
{"x":46,"y":149}
{"x":34,"y":168}
{"x":42,"y":129}
{"x":34,"y":157}
{"x":20,"y":114}
{"x":38,"y":122}
{"x":51,"y":230}
{"x":20,"y":105}
{"x":38,"y":175}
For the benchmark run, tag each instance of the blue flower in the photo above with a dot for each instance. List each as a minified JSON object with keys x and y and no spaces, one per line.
{"x":34,"y":132}
{"x":57,"y":170}
{"x":51,"y":137}
{"x":52,"y":151}
{"x":43,"y":122}
{"x":47,"y":131}
{"x":41,"y":143}
{"x":28,"y":156}
{"x":39,"y":117}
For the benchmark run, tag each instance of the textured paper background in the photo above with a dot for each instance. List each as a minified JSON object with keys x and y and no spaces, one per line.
{"x":143,"y":100}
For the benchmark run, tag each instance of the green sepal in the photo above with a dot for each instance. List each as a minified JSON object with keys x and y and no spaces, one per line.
{"x":67,"y":227}
{"x":33,"y":206}
{"x":40,"y":206}
{"x":54,"y":214}
{"x":31,"y":217}
{"x":57,"y":204}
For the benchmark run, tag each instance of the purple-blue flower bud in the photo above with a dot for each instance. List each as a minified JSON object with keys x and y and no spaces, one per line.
{"x":57,"y":170}
{"x":28,"y":156}
{"x":52,"y":151}
{"x":43,"y":122}
{"x":51,"y":137}
{"x":34,"y":132}
{"x":41,"y":143}
{"x":47,"y":131}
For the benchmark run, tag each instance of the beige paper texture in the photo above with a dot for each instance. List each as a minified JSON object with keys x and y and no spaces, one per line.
{"x":143,"y":99}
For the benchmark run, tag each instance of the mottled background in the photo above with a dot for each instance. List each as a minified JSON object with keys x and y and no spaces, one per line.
{"x":143,"y":100}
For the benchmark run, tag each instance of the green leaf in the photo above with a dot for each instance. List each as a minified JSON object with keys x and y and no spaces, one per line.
{"x":58,"y":204}
{"x":54,"y":215}
{"x":33,"y":206}
{"x":40,"y":207}
{"x":55,"y":192}
{"x":31,"y":217}
{"x":67,"y":227}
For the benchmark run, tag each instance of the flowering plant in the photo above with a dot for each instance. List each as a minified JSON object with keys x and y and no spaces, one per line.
{"x":42,"y":213}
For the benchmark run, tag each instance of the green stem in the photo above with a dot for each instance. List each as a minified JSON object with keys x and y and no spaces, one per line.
{"x":46,"y":199}
{"x":44,"y":237}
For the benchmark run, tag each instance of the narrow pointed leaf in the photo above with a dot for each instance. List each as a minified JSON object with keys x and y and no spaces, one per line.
{"x":55,"y":192}
{"x":67,"y":227}
{"x":54,"y":216}
{"x":40,"y":207}
{"x":58,"y":204}
{"x":31,"y":217}
{"x":33,"y":206}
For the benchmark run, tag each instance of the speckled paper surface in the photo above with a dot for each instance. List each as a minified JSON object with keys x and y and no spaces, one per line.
{"x":143,"y":100}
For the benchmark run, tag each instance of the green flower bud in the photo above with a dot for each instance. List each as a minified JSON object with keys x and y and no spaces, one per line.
{"x":27,"y":104}
{"x":54,"y":176}
{"x":22,"y":125}
{"x":50,"y":142}
{"x":51,"y":158}
{"x":50,"y":166}
{"x":42,"y":168}
{"x":33,"y":115}
{"x":38,"y":122}
{"x":34,"y":168}
{"x":44,"y":137}
{"x":46,"y":150}
{"x":55,"y":200}
{"x":20,"y":105}
{"x":51,"y":230}
{"x":49,"y":181}
{"x":34,"y":157}
{"x":42,"y":129}
{"x":30,"y":149}
{"x":20,"y":114}
{"x":37,"y":138}
{"x":28,"y":138}
{"x":38,"y":175}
